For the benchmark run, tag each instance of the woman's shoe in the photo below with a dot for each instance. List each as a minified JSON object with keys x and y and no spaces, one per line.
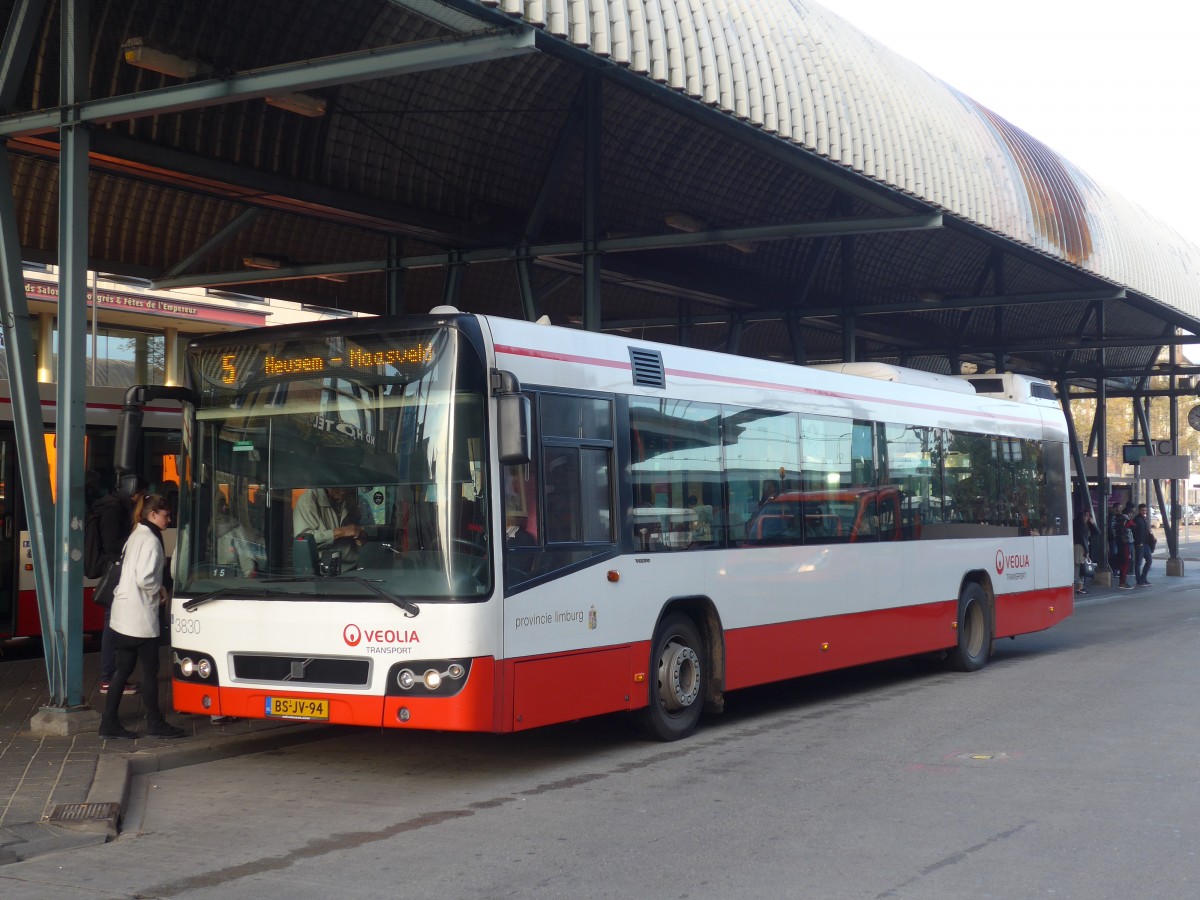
{"x":117,"y":731}
{"x":165,"y":730}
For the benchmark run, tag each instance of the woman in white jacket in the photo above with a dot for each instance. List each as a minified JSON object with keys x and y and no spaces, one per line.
{"x":135,"y":619}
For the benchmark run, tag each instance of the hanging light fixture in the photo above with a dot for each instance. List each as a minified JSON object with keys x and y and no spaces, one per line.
{"x":302,"y":104}
{"x":145,"y":55}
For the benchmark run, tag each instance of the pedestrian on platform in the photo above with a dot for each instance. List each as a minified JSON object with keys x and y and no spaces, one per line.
{"x":136,"y":620}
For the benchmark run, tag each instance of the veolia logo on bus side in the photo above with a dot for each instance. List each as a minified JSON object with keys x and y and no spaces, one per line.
{"x":1011,"y":561}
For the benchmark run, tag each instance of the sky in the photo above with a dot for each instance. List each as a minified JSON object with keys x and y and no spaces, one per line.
{"x":1111,"y":86}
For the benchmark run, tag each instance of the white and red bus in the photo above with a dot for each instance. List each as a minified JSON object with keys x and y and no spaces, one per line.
{"x":158,"y":447}
{"x":469,"y":523}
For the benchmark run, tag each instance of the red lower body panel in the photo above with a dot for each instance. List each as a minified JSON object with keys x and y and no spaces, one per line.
{"x":790,"y":649}
{"x":516,"y":694}
{"x":552,"y":689}
{"x":28,"y":621}
{"x":1033,"y":611}
{"x":471,"y":709}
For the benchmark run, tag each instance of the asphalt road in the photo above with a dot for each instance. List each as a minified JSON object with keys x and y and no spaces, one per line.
{"x":1068,"y":768}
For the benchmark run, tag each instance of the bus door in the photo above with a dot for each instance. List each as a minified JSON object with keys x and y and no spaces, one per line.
{"x":9,"y":534}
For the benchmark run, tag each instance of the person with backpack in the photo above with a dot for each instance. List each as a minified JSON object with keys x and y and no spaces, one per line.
{"x":108,"y":526}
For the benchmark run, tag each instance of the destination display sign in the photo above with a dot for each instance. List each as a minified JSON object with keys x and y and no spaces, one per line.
{"x":402,"y":356}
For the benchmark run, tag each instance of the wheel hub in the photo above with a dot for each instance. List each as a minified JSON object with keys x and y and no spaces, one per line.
{"x":679,"y":677}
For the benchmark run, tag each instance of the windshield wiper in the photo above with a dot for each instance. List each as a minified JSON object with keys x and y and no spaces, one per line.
{"x":190,"y":605}
{"x":411,"y":610}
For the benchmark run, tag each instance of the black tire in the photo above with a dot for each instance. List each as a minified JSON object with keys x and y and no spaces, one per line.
{"x":678,"y":670}
{"x":974,"y":631}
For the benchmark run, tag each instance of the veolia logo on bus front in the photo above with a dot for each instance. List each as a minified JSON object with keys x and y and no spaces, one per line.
{"x":354,"y":635}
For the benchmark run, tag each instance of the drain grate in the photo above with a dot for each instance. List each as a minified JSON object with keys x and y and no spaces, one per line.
{"x":84,"y":812}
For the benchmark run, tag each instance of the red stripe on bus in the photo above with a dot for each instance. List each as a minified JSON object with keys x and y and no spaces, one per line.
{"x":748,"y":382}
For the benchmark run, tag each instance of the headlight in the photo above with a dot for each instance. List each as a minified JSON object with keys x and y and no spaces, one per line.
{"x":427,"y":677}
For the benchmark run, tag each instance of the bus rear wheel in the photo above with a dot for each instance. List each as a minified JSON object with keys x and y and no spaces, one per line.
{"x":677,"y":669}
{"x":974,"y":631}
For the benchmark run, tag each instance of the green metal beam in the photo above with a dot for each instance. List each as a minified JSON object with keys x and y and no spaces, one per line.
{"x":18,"y":43}
{"x":346,"y":68}
{"x":16,"y":327}
{"x":571,"y":248}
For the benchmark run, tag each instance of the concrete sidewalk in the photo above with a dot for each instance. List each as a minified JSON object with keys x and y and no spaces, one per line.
{"x":57,"y":793}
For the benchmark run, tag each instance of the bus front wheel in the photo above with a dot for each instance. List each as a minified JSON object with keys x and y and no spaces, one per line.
{"x":677,"y":673}
{"x":974,"y":631}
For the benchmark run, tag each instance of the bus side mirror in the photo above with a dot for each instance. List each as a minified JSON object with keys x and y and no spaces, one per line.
{"x":127,"y":452}
{"x":512,"y":421}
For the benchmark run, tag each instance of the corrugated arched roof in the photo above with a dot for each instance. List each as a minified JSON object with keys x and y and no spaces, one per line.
{"x":797,"y":70}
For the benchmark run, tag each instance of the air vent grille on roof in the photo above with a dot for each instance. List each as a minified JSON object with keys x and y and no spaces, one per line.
{"x":647,"y":367}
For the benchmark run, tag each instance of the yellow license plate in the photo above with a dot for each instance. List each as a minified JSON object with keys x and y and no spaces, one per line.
{"x":298,"y":707}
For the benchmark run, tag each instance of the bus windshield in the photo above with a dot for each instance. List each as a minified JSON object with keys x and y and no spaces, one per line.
{"x":337,"y":467}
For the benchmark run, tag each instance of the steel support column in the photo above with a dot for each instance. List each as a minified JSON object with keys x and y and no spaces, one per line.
{"x":394,"y":277}
{"x":848,"y":298}
{"x":525,"y":284}
{"x":591,"y":203}
{"x":17,"y":328}
{"x":1174,"y":563}
{"x":69,"y":513}
{"x":1100,"y":434}
{"x":1141,"y":411}
{"x":733,"y":340}
{"x":1077,"y":456}
{"x":452,"y":286}
{"x":796,"y":334}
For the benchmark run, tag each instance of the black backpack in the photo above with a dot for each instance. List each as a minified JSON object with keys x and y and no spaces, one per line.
{"x":93,"y":547}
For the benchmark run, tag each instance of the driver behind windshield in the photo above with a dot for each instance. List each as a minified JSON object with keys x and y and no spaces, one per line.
{"x":333,"y":518}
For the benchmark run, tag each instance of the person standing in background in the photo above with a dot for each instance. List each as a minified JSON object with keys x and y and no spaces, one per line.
{"x":1143,"y":546}
{"x":1085,"y":534}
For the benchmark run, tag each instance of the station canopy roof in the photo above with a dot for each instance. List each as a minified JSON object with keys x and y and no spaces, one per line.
{"x":749,"y":175}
